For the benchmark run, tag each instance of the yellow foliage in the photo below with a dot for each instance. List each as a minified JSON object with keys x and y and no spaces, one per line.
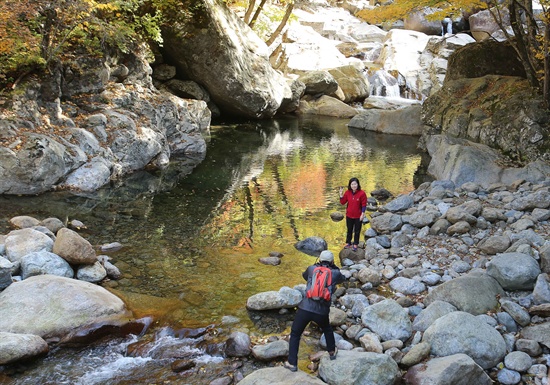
{"x":399,"y":9}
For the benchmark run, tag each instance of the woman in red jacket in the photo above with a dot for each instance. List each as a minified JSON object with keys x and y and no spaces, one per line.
{"x":355,"y":211}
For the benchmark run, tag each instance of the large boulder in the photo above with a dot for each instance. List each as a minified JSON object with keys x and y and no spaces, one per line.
{"x":359,"y":368}
{"x":457,"y":369}
{"x":464,"y":161}
{"x":460,"y":332}
{"x":475,"y":294}
{"x":514,"y":271}
{"x":216,"y":49}
{"x":51,"y":306}
{"x":402,"y":121}
{"x":280,"y":376}
{"x":490,"y":58}
{"x":483,"y":25}
{"x":352,"y":82}
{"x":325,"y":106}
{"x":516,"y":125}
{"x":15,"y":347}
{"x":387,"y":319}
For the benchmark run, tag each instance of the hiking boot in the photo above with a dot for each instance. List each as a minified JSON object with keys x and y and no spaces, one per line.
{"x":347,"y":246}
{"x":292,"y":368}
{"x":333,"y":354}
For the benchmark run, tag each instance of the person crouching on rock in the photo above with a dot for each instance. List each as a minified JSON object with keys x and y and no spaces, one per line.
{"x":355,"y":211}
{"x":322,"y":279}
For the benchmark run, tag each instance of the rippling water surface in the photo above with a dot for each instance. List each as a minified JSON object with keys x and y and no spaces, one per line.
{"x":193,"y":234}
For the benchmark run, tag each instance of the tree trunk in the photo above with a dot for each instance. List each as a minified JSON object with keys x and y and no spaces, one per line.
{"x":546,"y":79}
{"x":249,"y":10}
{"x":521,"y":43}
{"x":277,"y":31}
{"x":257,"y":13}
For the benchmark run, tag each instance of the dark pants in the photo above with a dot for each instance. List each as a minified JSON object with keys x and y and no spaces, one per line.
{"x":301,"y":320}
{"x":354,"y":227}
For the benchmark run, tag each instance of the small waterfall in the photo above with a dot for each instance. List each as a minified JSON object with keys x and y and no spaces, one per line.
{"x":384,"y":84}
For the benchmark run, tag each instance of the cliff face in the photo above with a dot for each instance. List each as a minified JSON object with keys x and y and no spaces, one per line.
{"x":220,"y":52}
{"x":91,"y":121}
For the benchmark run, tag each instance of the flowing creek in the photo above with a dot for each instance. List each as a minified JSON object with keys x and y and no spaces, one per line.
{"x":192,"y":236}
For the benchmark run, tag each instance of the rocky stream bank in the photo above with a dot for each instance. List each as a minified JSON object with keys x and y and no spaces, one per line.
{"x":451,"y":286}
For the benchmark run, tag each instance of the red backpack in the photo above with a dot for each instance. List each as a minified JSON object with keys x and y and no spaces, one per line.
{"x":321,"y":280}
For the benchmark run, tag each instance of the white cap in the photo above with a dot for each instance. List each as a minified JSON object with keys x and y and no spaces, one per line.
{"x":326,"y":256}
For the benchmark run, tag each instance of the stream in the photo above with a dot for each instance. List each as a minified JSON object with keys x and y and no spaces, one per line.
{"x":193,"y":233}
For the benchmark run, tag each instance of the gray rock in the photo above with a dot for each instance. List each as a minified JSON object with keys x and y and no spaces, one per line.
{"x":359,"y":368}
{"x":319,"y":82}
{"x":430,"y":278}
{"x":539,"y":333}
{"x":44,"y":262}
{"x":271,"y":350}
{"x":400,"y":240}
{"x":284,"y":298}
{"x":239,"y":76}
{"x":386,"y":222}
{"x":538,"y":199}
{"x":271,"y":261}
{"x":461,"y":332}
{"x":401,"y":203}
{"x":91,"y":273}
{"x":456,"y":369}
{"x":19,"y":347}
{"x":461,"y":227}
{"x":514,"y":271}
{"x":495,"y":244}
{"x":56,"y":306}
{"x":423,"y":218}
{"x":528,"y":346}
{"x":416,"y":354}
{"x":281,"y":376}
{"x":430,"y":314}
{"x":541,"y":291}
{"x":518,"y":313}
{"x":5,"y":273}
{"x":440,"y":226}
{"x":544,"y":253}
{"x":518,"y":361}
{"x":53,"y":224}
{"x":470,"y":293}
{"x":459,"y":214}
{"x":237,"y":345}
{"x":22,"y":242}
{"x":407,"y":286}
{"x":507,"y":321}
{"x":371,"y":343}
{"x":369,"y":275}
{"x":312,"y":245}
{"x":24,"y":221}
{"x":508,"y":377}
{"x":540,"y":214}
{"x":387,"y":319}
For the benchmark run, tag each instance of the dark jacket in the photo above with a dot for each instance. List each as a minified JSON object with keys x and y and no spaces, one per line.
{"x":320,"y":307}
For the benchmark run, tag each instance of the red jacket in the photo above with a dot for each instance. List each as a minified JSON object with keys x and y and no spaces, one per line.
{"x":357,"y":203}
